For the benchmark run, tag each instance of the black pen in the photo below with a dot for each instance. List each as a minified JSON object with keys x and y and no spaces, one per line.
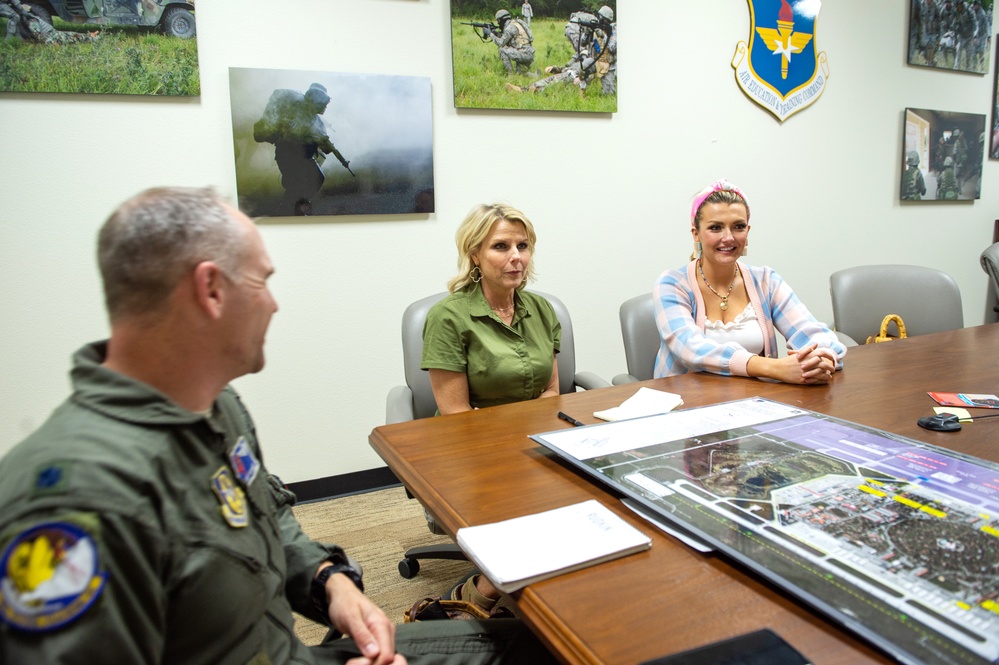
{"x":569,"y":419}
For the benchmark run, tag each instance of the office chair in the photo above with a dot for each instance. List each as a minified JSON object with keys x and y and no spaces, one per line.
{"x":641,"y":339}
{"x":928,"y":300}
{"x":990,"y":264}
{"x":416,"y":399}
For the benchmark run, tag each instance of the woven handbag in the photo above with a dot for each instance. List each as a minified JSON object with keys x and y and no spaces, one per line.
{"x":883,"y":335}
{"x":433,"y":608}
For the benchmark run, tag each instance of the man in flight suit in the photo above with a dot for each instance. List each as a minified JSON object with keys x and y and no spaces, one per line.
{"x":139,"y":523}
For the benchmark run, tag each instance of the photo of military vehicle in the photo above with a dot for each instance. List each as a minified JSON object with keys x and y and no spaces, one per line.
{"x":173,"y":17}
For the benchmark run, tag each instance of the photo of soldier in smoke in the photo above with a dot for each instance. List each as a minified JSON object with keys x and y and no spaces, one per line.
{"x":325,"y":143}
{"x":292,"y":122}
{"x":951,"y":34}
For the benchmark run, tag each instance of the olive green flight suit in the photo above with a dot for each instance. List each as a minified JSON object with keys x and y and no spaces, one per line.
{"x":174,"y":542}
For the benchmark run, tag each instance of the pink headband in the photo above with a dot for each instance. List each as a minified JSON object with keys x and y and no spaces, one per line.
{"x":721,"y":185}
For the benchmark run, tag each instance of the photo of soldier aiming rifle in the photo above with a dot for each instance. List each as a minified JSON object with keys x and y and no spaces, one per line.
{"x":573,"y":43}
{"x":483,"y":30}
{"x":513,"y":39}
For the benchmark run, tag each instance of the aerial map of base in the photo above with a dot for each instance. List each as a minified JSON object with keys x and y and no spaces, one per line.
{"x":893,"y":538}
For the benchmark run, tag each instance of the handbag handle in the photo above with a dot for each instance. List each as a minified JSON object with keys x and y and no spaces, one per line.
{"x":898,"y":322}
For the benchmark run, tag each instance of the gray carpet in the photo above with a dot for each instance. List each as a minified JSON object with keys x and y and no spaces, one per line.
{"x":375,"y":528}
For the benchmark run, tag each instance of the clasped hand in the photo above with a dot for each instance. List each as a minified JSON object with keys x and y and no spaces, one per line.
{"x":816,"y":365}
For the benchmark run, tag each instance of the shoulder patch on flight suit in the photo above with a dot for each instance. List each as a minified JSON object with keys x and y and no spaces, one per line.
{"x":244,"y":463}
{"x":49,"y":575}
{"x":232,"y":498}
{"x":51,"y":478}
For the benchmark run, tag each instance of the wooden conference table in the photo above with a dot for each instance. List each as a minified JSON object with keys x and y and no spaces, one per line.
{"x":479,"y":467}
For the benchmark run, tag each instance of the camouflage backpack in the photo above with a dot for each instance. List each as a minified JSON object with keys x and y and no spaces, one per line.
{"x":281,"y":112}
{"x":524,"y":35}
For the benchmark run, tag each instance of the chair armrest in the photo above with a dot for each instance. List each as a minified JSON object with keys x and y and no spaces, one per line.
{"x":589,"y":381}
{"x":622,"y":379}
{"x":846,"y":339}
{"x":399,"y":405}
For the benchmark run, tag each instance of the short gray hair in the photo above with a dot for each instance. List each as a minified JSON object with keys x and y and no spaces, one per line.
{"x":152,"y":240}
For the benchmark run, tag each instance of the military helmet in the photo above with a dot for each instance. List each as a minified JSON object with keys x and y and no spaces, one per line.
{"x":913,"y":158}
{"x":949,"y":161}
{"x":502,"y":15}
{"x":957,"y":132}
{"x":607,"y":13}
{"x":317,"y":94}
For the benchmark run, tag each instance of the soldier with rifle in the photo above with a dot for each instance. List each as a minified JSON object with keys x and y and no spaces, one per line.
{"x":292,"y":122}
{"x":514,"y":41}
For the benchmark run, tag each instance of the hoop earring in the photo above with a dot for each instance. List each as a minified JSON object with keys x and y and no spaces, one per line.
{"x":475,"y":273}
{"x":698,"y":249}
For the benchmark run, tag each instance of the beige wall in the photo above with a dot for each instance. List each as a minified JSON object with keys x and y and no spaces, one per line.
{"x":609,"y":195}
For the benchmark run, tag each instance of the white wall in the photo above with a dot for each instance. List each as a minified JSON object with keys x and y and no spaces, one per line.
{"x":609,"y":195}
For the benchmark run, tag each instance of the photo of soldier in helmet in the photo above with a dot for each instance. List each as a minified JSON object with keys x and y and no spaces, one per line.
{"x":594,"y":42}
{"x":913,"y":185}
{"x":514,"y":43}
{"x":292,"y":122}
{"x":536,"y":68}
{"x":938,"y":141}
{"x":313,"y":143}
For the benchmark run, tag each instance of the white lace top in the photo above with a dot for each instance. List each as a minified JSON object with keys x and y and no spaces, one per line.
{"x":743,"y":330}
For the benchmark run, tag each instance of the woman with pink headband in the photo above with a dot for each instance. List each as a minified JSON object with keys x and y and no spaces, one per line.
{"x":719,"y":315}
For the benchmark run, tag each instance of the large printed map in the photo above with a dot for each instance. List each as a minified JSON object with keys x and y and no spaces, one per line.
{"x":896,"y":539}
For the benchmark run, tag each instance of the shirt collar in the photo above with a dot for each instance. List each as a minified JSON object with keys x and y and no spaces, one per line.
{"x":479,"y":306}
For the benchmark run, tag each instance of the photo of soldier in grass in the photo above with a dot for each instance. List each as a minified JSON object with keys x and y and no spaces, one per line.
{"x":552,"y":56}
{"x":325,"y":143}
{"x":116,"y":47}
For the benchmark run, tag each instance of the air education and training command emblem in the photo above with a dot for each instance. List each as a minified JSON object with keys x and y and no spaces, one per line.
{"x":231,"y":497}
{"x":49,"y":575}
{"x":781,"y":69}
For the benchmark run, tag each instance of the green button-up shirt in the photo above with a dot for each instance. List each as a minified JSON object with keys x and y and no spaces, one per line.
{"x":504,"y":363}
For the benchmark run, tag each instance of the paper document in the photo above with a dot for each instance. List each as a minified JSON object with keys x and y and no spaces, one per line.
{"x":528,"y":549}
{"x":646,"y":402}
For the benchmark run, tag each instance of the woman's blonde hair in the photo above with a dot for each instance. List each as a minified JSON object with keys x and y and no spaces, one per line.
{"x":474,"y":230}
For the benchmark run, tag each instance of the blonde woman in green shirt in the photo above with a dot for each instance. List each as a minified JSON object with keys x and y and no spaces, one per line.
{"x":490,"y":342}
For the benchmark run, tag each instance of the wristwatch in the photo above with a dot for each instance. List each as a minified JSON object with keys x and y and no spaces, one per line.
{"x":319,"y":583}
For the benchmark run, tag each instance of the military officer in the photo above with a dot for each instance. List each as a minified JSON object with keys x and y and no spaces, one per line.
{"x":139,"y":523}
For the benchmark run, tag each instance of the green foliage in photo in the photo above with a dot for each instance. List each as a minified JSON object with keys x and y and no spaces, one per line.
{"x":480,"y":78}
{"x":123,"y":61}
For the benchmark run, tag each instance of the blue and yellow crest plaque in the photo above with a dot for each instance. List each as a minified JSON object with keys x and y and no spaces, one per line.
{"x":781,"y":69}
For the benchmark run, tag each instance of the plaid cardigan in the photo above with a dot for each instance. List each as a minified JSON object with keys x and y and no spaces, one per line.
{"x":679,"y":310}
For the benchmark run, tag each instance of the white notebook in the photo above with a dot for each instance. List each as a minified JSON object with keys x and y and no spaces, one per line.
{"x":523,"y":550}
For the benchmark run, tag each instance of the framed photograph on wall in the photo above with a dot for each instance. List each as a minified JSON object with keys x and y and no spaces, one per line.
{"x":331,"y":143}
{"x":951,"y":34}
{"x":540,"y":57}
{"x":942,"y":155}
{"x":994,"y":134}
{"x":125,"y":47}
